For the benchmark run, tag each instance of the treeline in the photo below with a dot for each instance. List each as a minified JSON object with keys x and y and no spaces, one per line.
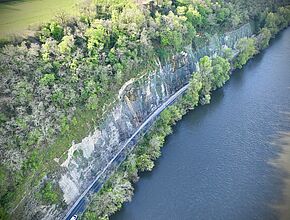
{"x":54,"y":86}
{"x":212,"y":74}
{"x":271,"y":24}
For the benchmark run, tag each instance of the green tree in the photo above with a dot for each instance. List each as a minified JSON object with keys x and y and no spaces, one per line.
{"x":191,"y":97}
{"x":33,"y":162}
{"x":205,"y":95}
{"x":221,"y":71}
{"x":49,"y":194}
{"x":263,"y":38}
{"x":90,"y":215}
{"x":56,"y":31}
{"x":272,"y":22}
{"x":144,"y":163}
{"x":66,"y":45}
{"x":228,"y":53}
{"x":3,"y":214}
{"x":23,"y":91}
{"x":3,"y":181}
{"x":193,"y":16}
{"x":247,"y":49}
{"x":284,"y":16}
{"x":205,"y":66}
{"x":47,"y":79}
{"x":96,"y":36}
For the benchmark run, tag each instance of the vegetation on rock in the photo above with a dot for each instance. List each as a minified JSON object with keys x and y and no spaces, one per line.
{"x":54,"y":86}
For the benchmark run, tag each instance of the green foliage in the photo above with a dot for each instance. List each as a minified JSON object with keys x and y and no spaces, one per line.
{"x":228,"y":53}
{"x":64,"y":125}
{"x":221,"y":71}
{"x":247,"y":49}
{"x":284,"y":16}
{"x":92,"y":102}
{"x":263,"y":38}
{"x":66,"y":45}
{"x":58,"y":97}
{"x":191,"y":97}
{"x":222,"y":15}
{"x":53,"y":29}
{"x":49,"y":194}
{"x":205,"y":66}
{"x":3,"y":118}
{"x":144,"y":163}
{"x":171,"y":38}
{"x":89,"y":215}
{"x":205,"y":94}
{"x":44,"y":34}
{"x":47,"y":79}
{"x":194,"y":16}
{"x":3,"y":214}
{"x":276,"y":21}
{"x":23,"y":92}
{"x":172,"y":30}
{"x":33,"y":137}
{"x":3,"y":181}
{"x":272,"y":22}
{"x":116,"y":191}
{"x":33,"y":162}
{"x":56,"y":31}
{"x":96,"y":37}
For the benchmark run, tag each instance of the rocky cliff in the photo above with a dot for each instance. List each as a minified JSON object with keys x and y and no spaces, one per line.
{"x":138,"y":98}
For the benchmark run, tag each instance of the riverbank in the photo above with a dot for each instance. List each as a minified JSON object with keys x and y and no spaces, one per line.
{"x":99,"y":206}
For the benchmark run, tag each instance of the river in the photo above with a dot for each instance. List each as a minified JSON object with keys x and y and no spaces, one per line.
{"x":222,"y":160}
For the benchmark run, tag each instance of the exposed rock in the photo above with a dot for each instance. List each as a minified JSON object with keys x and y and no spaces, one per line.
{"x":138,"y":98}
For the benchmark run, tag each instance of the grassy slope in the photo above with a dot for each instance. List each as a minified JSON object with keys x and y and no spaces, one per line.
{"x":18,"y":15}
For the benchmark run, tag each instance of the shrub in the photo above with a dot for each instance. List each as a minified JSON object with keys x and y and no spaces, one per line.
{"x":49,"y":194}
{"x":247,"y":49}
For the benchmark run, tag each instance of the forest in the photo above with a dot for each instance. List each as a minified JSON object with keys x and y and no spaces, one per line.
{"x":56,"y":84}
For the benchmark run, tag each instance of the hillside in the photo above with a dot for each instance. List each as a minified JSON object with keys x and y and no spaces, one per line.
{"x":57,"y":86}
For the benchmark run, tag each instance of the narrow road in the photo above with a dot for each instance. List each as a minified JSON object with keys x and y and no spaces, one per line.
{"x":80,"y":205}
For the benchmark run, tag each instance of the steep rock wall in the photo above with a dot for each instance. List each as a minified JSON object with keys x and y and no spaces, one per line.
{"x":138,"y":99}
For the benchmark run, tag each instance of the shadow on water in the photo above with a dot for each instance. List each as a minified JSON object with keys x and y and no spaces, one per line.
{"x":282,"y":160}
{"x":282,"y":163}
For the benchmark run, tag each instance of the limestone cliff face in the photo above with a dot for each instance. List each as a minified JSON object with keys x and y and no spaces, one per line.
{"x":137,"y":100}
